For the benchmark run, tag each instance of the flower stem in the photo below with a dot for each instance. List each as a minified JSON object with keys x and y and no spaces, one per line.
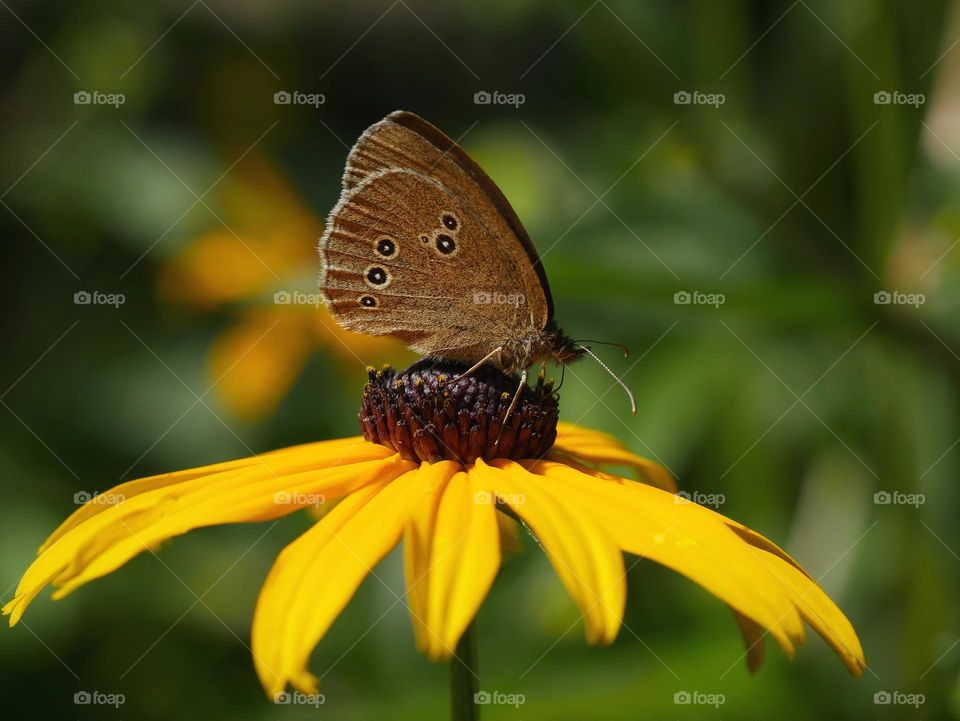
{"x":464,"y":679}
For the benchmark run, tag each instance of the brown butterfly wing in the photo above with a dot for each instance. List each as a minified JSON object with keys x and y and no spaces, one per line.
{"x":404,"y":256}
{"x":405,"y":140}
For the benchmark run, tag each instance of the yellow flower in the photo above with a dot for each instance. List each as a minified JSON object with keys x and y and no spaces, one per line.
{"x":258,"y":266}
{"x":398,"y":482}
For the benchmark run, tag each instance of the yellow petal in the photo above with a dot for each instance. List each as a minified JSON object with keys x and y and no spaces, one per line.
{"x":280,"y":484}
{"x":817,"y":609}
{"x":321,"y":454}
{"x":583,"y":554}
{"x":654,"y":524}
{"x":815,"y":606}
{"x":316,"y":575}
{"x":452,"y":552}
{"x":600,"y":449}
{"x":417,"y":539}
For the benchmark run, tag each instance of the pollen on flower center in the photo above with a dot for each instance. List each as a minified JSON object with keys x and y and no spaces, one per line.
{"x":429,"y":413}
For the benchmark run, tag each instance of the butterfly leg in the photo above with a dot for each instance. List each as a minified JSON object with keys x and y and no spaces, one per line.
{"x":512,"y":406}
{"x":475,"y":366}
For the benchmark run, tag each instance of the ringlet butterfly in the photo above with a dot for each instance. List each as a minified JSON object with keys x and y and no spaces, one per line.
{"x":424,"y":247}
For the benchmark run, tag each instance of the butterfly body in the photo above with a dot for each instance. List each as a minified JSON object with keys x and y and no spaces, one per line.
{"x":535,"y":346}
{"x":424,"y":247}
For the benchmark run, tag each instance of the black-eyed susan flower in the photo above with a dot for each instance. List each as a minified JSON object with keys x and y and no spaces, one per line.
{"x":434,"y":468}
{"x":254,"y":267}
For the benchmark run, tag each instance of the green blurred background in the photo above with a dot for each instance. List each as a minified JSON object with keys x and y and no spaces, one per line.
{"x":797,"y":399}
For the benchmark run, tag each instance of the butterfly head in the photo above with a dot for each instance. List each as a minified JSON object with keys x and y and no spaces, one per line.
{"x":564,"y":350}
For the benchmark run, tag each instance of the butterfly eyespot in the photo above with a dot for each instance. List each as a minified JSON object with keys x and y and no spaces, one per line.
{"x":450,"y":221}
{"x":377,"y":276}
{"x":445,"y":244}
{"x":386,"y":247}
{"x":368,"y":301}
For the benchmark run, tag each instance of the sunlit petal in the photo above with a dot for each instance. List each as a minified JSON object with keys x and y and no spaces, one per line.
{"x":580,"y":549}
{"x":321,"y":454}
{"x":453,"y":554}
{"x":815,"y":606}
{"x":417,"y":541}
{"x":316,"y":575}
{"x":279,"y":485}
{"x":654,"y":524}
{"x":594,"y":448}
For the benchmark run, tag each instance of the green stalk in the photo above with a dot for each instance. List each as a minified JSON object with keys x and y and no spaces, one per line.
{"x":464,"y":680}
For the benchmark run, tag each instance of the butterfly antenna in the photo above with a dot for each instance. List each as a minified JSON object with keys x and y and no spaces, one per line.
{"x":621,"y":346}
{"x":633,"y":402}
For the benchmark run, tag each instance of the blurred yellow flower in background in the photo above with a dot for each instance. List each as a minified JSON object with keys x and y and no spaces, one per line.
{"x":261,"y":267}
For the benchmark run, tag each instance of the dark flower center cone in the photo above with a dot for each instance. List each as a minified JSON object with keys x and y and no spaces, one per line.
{"x":429,"y":413}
